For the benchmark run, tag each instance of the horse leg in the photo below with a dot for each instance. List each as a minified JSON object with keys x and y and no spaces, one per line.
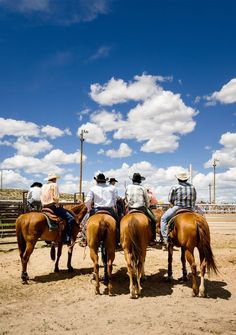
{"x":139,"y":274}
{"x":130,"y":273}
{"x":184,"y":268}
{"x":110,"y":259}
{"x":94,"y":257}
{"x":25,"y":258}
{"x":104,"y":262}
{"x":70,"y":252}
{"x":203,"y":271}
{"x":59,"y":250}
{"x":170,"y":259}
{"x":190,"y":258}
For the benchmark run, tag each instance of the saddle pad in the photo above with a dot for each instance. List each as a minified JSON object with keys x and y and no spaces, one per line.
{"x":50,"y":214}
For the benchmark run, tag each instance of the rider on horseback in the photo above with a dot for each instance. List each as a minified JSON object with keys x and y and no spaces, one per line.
{"x":182,"y":195}
{"x":50,"y":199}
{"x":137,"y":198}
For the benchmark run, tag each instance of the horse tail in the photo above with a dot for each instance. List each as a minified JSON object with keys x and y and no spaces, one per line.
{"x":19,"y":235}
{"x":102,"y":230}
{"x":135,"y":242}
{"x":204,"y":245}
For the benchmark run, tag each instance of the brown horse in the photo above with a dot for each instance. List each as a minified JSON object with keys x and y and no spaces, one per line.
{"x":191,"y":230}
{"x":33,"y":226}
{"x":135,"y":235}
{"x":101,"y":231}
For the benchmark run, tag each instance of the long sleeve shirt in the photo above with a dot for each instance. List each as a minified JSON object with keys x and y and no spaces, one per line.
{"x":183,"y":195}
{"x":50,"y":194}
{"x":34,"y":194}
{"x":101,"y":195}
{"x":136,"y":196}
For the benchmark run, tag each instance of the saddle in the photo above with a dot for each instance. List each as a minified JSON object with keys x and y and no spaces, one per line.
{"x":54,"y":222}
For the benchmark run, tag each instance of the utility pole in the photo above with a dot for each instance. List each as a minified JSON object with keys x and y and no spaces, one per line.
{"x":214,"y":179}
{"x":190,"y":172}
{"x":210,"y":193}
{"x":81,"y":160}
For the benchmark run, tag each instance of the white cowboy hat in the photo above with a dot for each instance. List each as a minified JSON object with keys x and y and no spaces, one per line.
{"x":52,"y":176}
{"x":182,"y":176}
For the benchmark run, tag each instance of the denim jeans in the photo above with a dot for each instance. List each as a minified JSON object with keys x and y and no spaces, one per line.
{"x":165,"y":218}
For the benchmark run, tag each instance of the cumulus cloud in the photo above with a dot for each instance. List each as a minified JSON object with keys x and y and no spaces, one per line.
{"x":26,"y":147}
{"x":226,"y":156}
{"x":54,"y":132}
{"x":50,"y":162}
{"x":226,"y":95}
{"x":12,"y":179}
{"x":94,"y":133}
{"x":18,"y":128}
{"x":157,"y":121}
{"x":123,"y":151}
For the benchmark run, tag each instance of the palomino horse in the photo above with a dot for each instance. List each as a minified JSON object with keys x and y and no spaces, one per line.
{"x":135,"y":235}
{"x":32,"y":226}
{"x":101,"y":229}
{"x":191,"y":230}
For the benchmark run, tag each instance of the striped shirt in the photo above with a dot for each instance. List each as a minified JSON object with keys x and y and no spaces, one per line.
{"x":183,"y":195}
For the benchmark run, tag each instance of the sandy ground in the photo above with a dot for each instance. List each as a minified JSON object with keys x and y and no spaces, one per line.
{"x":59,"y":303}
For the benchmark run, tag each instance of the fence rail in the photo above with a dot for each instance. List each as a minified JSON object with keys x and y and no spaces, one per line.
{"x":11,"y":209}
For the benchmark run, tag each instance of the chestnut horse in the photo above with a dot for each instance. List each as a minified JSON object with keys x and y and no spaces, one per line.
{"x":191,"y":231}
{"x":101,"y":231}
{"x":135,"y":235}
{"x":33,"y":226}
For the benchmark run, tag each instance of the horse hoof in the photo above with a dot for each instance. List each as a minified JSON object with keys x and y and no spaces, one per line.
{"x":194,"y":294}
{"x":70,"y":269}
{"x":202,"y":294}
{"x":56,"y":270}
{"x":169,"y":279}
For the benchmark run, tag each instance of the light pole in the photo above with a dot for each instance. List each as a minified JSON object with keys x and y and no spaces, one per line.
{"x":81,"y":160}
{"x":214,"y":179}
{"x":210,"y":193}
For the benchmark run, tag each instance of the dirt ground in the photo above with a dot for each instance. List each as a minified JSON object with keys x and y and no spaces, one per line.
{"x":58,"y":303}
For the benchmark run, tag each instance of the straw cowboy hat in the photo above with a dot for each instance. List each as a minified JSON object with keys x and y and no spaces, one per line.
{"x":182,"y":176}
{"x":113,"y":179}
{"x":52,"y":176}
{"x":137,"y":178}
{"x":100,"y":178}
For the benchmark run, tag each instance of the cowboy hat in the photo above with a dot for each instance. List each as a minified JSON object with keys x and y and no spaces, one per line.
{"x":100,"y":178}
{"x":36,"y":184}
{"x":113,"y":179}
{"x":182,"y":176}
{"x":52,"y":176}
{"x":137,"y":178}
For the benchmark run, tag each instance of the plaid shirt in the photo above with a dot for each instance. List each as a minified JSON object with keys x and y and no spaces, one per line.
{"x":183,"y":195}
{"x":136,"y":196}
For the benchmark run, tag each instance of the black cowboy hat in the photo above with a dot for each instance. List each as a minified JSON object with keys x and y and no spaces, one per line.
{"x":137,"y":178}
{"x":113,"y":179}
{"x":100,"y":178}
{"x":36,"y":184}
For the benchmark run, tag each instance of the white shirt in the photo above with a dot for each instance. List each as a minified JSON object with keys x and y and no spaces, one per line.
{"x":34,"y":194}
{"x":101,"y":195}
{"x":136,"y":196}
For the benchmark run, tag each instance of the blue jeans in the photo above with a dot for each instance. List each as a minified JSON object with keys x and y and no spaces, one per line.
{"x":165,"y":218}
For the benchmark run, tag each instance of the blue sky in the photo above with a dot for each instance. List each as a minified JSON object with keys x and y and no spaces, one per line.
{"x":152,"y":81}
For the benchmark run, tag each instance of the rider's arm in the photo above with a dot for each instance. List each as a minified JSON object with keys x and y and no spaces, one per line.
{"x":171,"y":196}
{"x":55,"y":193}
{"x":89,"y":200}
{"x":146,"y":198}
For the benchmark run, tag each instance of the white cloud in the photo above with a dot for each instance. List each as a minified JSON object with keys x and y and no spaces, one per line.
{"x":54,"y":132}
{"x":123,"y":151}
{"x":102,"y":52}
{"x":118,"y":91}
{"x":30,"y":148}
{"x":95,"y":133}
{"x":226,"y":156}
{"x":157,"y":121}
{"x":10,"y":127}
{"x":18,"y":128}
{"x":26,"y":5}
{"x":12,"y":179}
{"x":226,"y":95}
{"x":57,"y":156}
